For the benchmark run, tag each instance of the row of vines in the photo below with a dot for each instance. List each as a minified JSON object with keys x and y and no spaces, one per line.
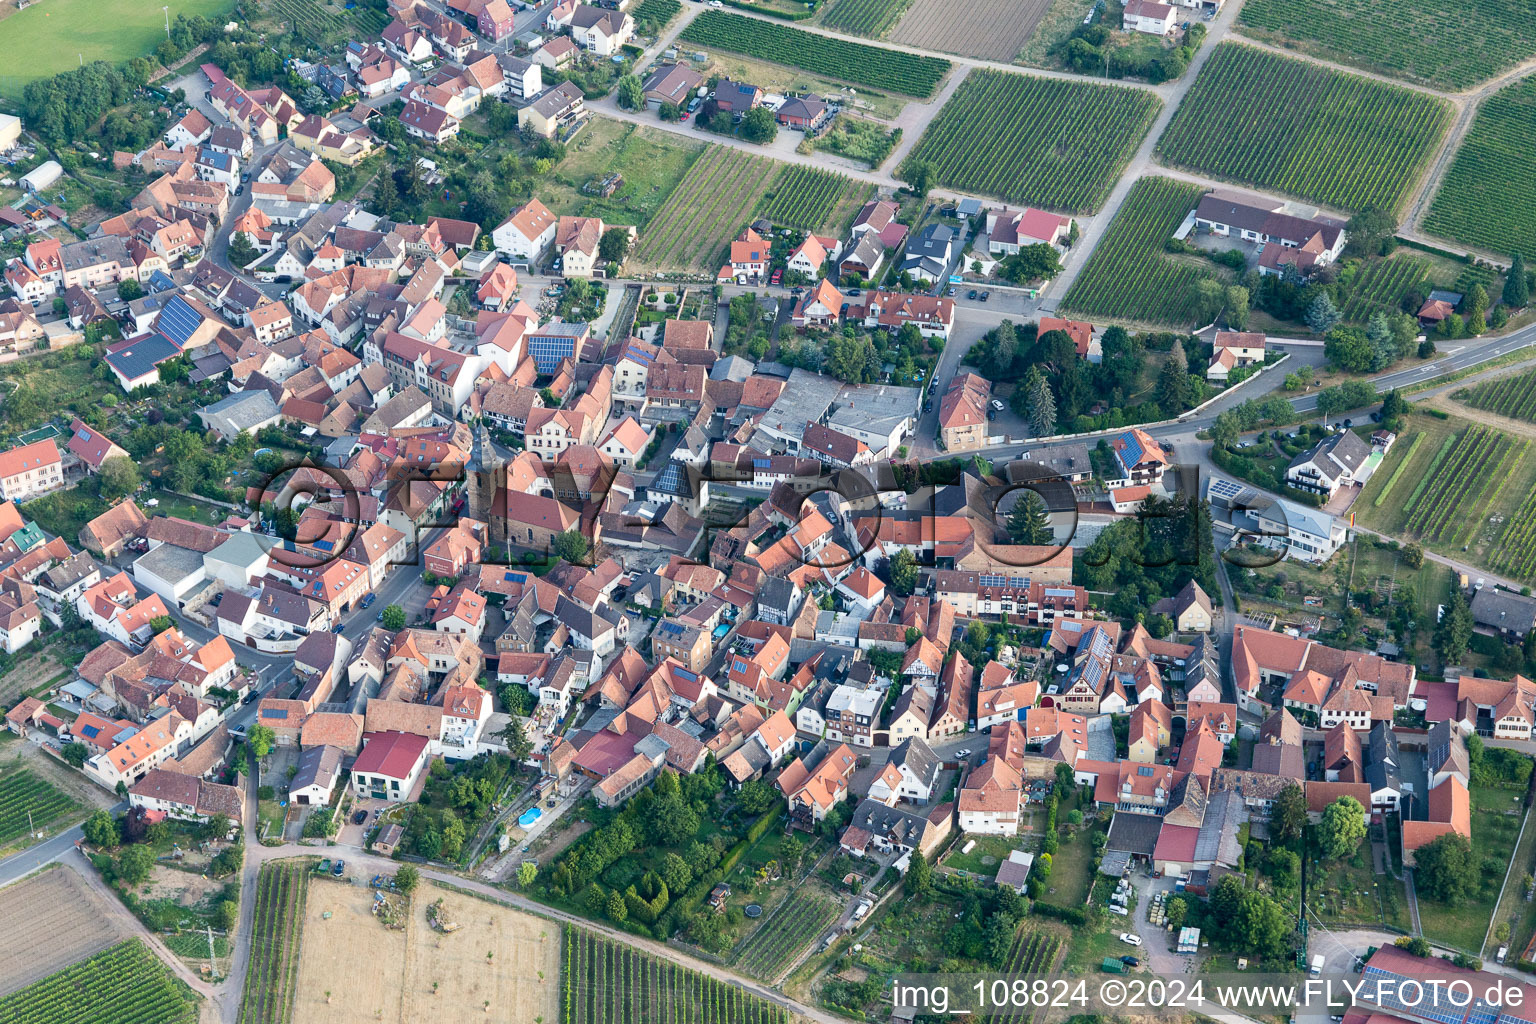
{"x":1033,"y":953}
{"x":124,"y":984}
{"x":1465,"y":478}
{"x":873,"y":66}
{"x":272,"y":977}
{"x":775,"y":945}
{"x":1048,"y":142}
{"x":23,"y":793}
{"x":1345,"y":141}
{"x":607,"y":982}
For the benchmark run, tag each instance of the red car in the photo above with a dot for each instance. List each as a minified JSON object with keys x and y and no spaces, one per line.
{"x":778,"y":275}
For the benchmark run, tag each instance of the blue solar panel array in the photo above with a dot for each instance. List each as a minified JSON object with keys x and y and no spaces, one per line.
{"x":179,"y":321}
{"x":275,"y":713}
{"x":1132,"y":453}
{"x":1435,"y":1003}
{"x":516,"y":577}
{"x":685,"y":675}
{"x":548,"y":351}
{"x":160,"y":281}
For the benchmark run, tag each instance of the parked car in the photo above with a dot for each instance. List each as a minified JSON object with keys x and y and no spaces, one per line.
{"x":1130,"y":938}
{"x":997,"y":405}
{"x":368,"y":599}
{"x":855,"y":291}
{"x":1130,"y":961}
{"x":359,"y":817}
{"x":1118,"y":911}
{"x":971,"y":294}
{"x":341,"y":866}
{"x":985,"y":296}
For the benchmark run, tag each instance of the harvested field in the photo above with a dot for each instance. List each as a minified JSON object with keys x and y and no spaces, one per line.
{"x":79,"y":923}
{"x":423,"y":975}
{"x":989,"y":29}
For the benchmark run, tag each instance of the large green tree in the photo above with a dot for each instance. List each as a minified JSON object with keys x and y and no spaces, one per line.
{"x":1173,"y":390}
{"x":1029,"y":520}
{"x":1517,"y":291}
{"x":1445,"y":869}
{"x":1454,"y":631}
{"x":1288,"y":814}
{"x":1342,"y":828}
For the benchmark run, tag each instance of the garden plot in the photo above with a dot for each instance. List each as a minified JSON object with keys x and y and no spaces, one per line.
{"x":709,"y":208}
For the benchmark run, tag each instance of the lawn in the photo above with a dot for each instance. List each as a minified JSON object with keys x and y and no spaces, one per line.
{"x":1488,"y":197}
{"x":40,"y":40}
{"x":986,"y":855}
{"x":1345,"y":141}
{"x":1494,"y":830}
{"x":1071,"y":871}
{"x":1048,"y":142}
{"x":1388,"y":37}
{"x":651,"y":163}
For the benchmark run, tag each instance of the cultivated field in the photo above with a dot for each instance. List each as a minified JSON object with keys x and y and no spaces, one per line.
{"x":40,"y":40}
{"x":811,"y":200}
{"x":709,"y":208}
{"x":873,"y":66}
{"x":990,"y":29}
{"x":600,"y":977}
{"x":864,"y":17}
{"x":79,"y":923}
{"x":24,"y":793}
{"x":1488,"y":197}
{"x":1464,"y":489}
{"x":325,"y":23}
{"x":1395,"y":39}
{"x":421,"y":976}
{"x":799,"y":921}
{"x":1380,"y":286}
{"x":1044,"y":141}
{"x":655,"y":15}
{"x":1130,"y":276}
{"x":1514,"y":397}
{"x":1342,"y":140}
{"x":270,"y":992}
{"x":123,"y":985}
{"x":1033,"y":953}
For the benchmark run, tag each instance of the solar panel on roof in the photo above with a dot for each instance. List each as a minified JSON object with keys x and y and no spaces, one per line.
{"x":1133,"y":452}
{"x":179,"y":321}
{"x":275,"y":713}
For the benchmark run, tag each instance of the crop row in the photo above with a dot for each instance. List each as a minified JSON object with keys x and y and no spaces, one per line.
{"x":1032,"y":953}
{"x":1450,"y":506}
{"x":1488,"y":197}
{"x":805,"y":198}
{"x":1515,"y":553}
{"x":1130,"y":275}
{"x":1406,"y":457}
{"x":124,"y":984}
{"x":271,"y":979}
{"x":793,"y":927}
{"x":1044,"y":141}
{"x":1391,"y":38}
{"x":1514,"y":397}
{"x":707,"y":209}
{"x":873,"y":66}
{"x":864,"y":17}
{"x":606,"y":982}
{"x":656,"y":13}
{"x":1343,"y":140}
{"x":22,"y":792}
{"x":1381,"y":285}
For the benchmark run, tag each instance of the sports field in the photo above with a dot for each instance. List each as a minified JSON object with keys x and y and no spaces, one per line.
{"x":52,"y":35}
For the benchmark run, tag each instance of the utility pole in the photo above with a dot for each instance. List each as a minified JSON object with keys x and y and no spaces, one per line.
{"x":167,"y":11}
